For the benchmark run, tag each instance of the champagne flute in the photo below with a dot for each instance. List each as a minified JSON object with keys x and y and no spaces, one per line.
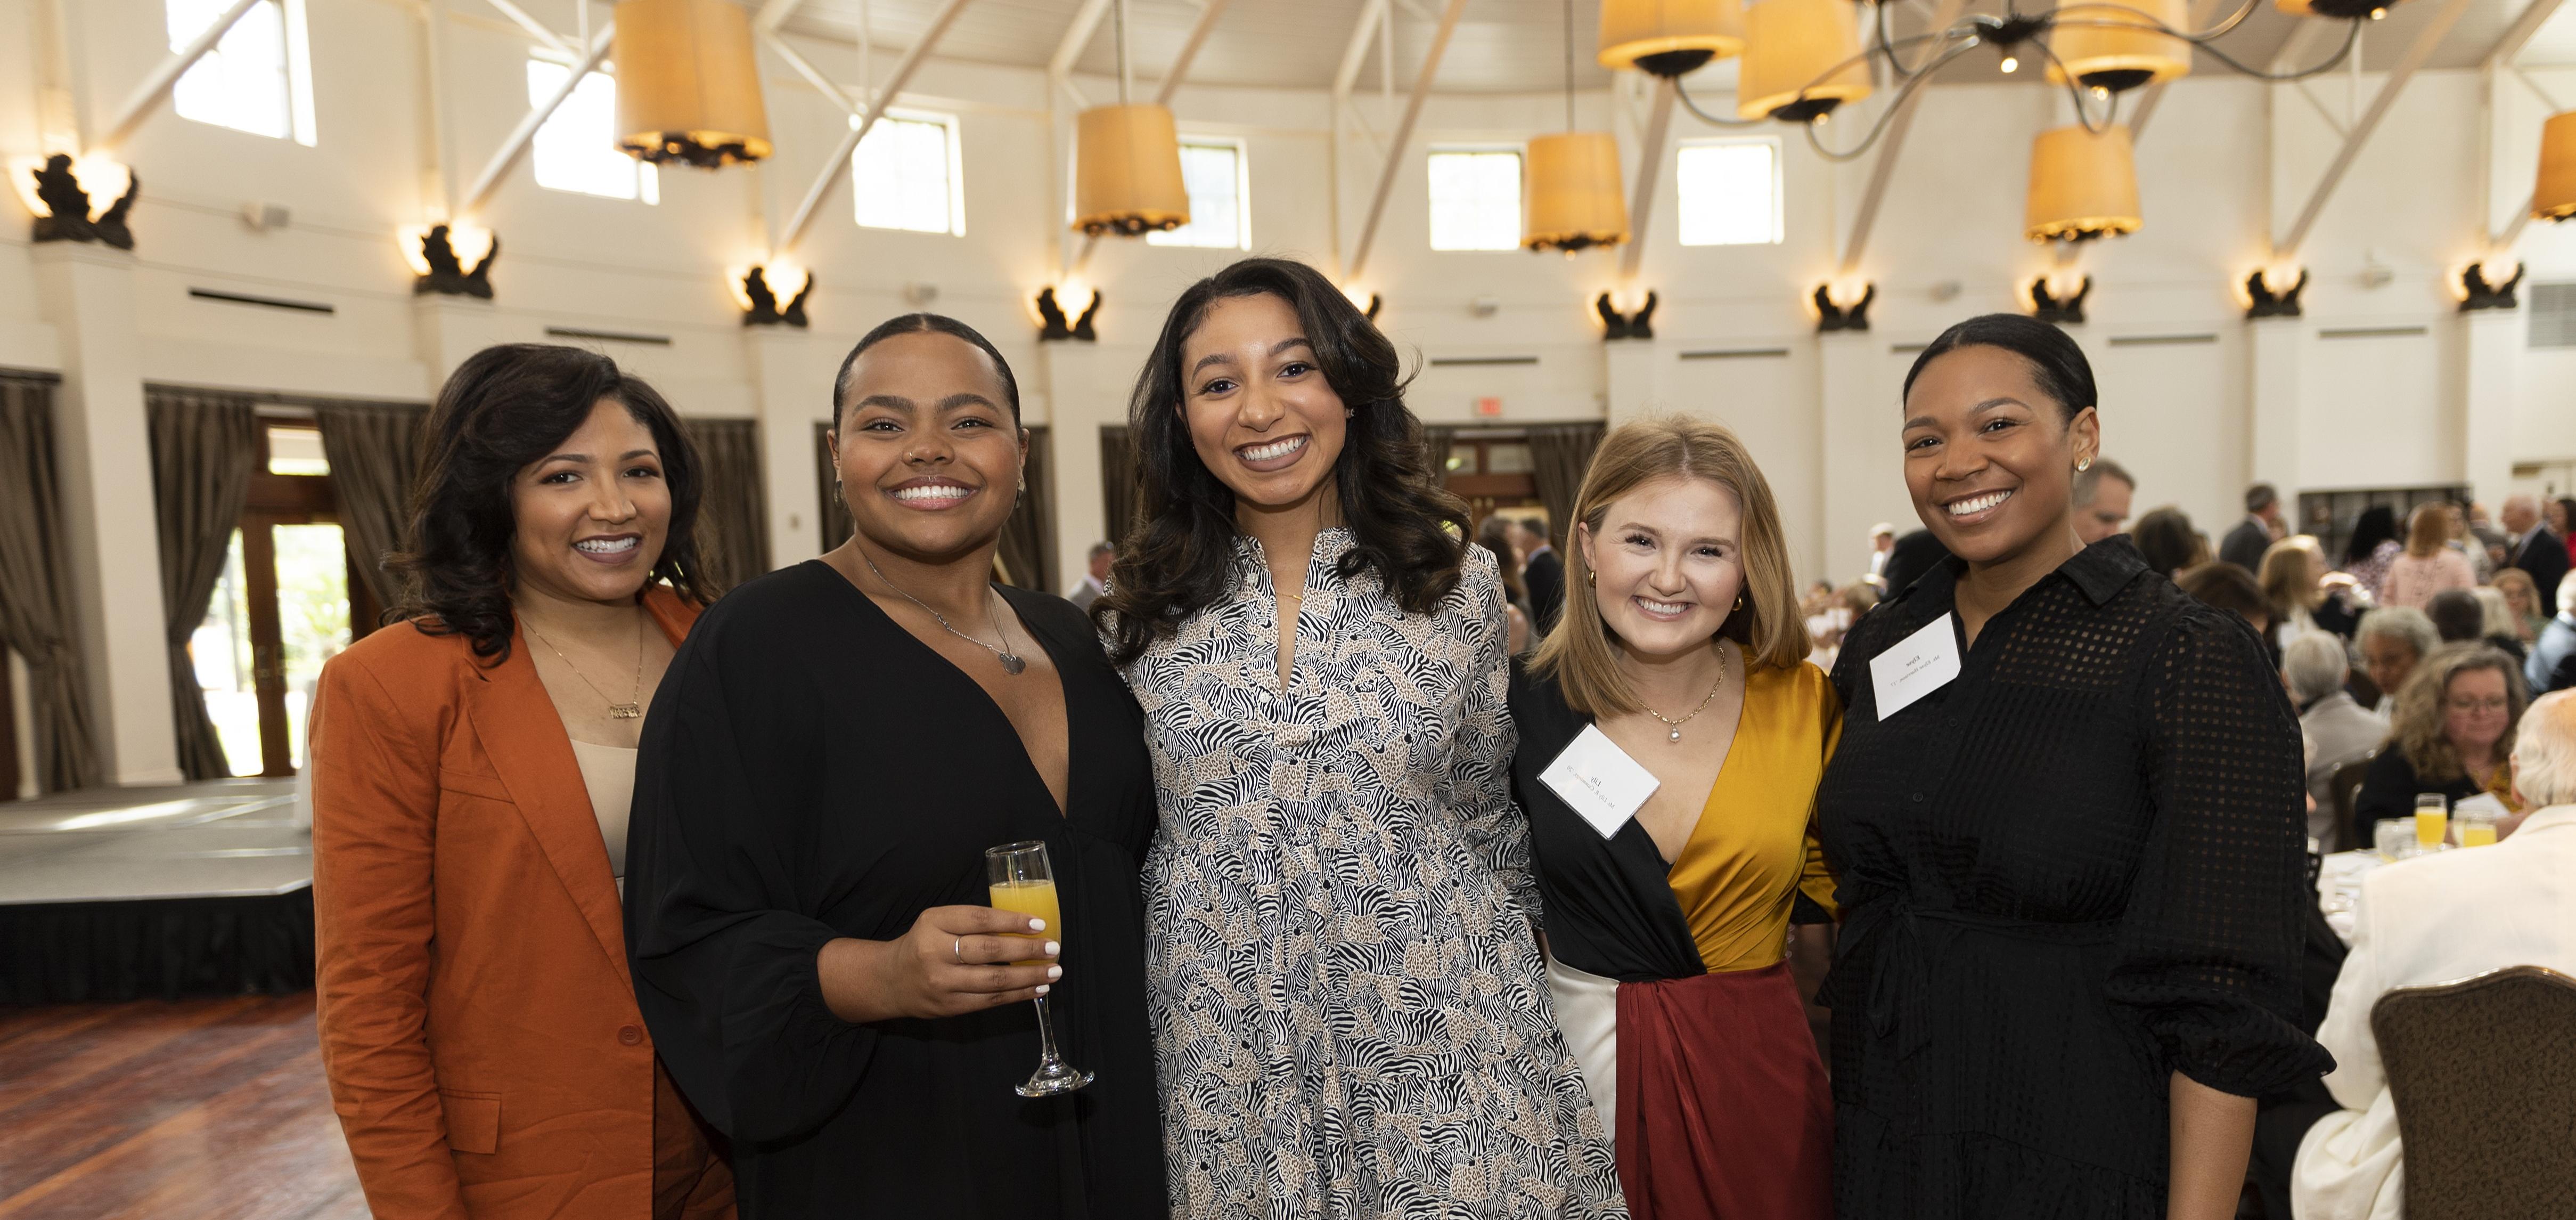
{"x":1023,"y":881}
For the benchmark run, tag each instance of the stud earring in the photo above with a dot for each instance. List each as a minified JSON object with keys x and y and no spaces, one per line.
{"x":1739,"y":602}
{"x":2082,"y":466}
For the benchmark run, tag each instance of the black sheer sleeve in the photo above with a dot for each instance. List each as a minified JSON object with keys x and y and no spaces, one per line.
{"x":721,"y":936}
{"x":2209,"y":949}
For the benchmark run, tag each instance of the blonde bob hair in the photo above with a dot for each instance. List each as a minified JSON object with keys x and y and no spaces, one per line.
{"x":2416,"y":724}
{"x":1581,"y":654}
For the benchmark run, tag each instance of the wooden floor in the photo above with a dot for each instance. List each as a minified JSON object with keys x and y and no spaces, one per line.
{"x":200,"y":1109}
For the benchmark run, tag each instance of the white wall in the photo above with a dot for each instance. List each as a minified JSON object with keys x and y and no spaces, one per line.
{"x":2222,"y":167}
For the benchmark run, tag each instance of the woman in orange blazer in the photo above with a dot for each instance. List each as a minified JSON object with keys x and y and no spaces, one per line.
{"x":471,"y":775}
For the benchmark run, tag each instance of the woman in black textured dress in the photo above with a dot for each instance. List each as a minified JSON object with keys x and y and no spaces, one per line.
{"x":829,"y":757}
{"x":2072,"y":874}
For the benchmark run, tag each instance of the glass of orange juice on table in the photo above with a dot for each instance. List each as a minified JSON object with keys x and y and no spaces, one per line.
{"x":2432,"y":816}
{"x":1023,"y":881}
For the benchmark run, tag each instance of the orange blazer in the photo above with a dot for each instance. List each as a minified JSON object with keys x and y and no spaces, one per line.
{"x":478,"y":1028}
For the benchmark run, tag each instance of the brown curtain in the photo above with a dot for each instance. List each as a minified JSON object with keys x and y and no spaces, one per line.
{"x":205,"y":446}
{"x":1117,"y":485}
{"x":36,"y":617}
{"x":374,"y":451}
{"x":830,"y":513}
{"x":1559,"y":456}
{"x":733,"y":508}
{"x":1027,"y":553}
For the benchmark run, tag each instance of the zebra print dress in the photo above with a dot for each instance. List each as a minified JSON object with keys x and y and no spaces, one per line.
{"x":1350,"y":1016}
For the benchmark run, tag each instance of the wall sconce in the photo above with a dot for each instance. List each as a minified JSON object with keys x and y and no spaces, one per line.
{"x":77,"y":198}
{"x":2264,"y":298}
{"x":438,"y":255}
{"x":2055,"y":306}
{"x":1053,"y":325}
{"x":1636,"y":325}
{"x":757,"y":290}
{"x":2480,"y":290}
{"x":1837,"y":309}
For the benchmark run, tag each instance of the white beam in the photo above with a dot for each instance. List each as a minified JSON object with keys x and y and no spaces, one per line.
{"x":813,"y":76}
{"x":2534,"y":15}
{"x":536,"y":29}
{"x":1404,"y":133}
{"x":2195,"y":21}
{"x":774,"y":14}
{"x":156,"y":85}
{"x":2430,"y":37}
{"x":1650,"y":165}
{"x":840,"y":160}
{"x":1882,"y":171}
{"x":1189,"y":51}
{"x":499,"y":166}
{"x":1355,"y":51}
{"x":1086,"y":21}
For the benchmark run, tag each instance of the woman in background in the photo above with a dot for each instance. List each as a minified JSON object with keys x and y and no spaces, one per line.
{"x":471,"y":768}
{"x":2429,"y":565}
{"x":2372,"y":547}
{"x":1667,"y":933}
{"x":839,"y":744}
{"x":2303,"y":596}
{"x":2452,"y":732}
{"x":1495,"y":535}
{"x":2165,"y":538}
{"x":2072,"y":873}
{"x":2523,"y":602}
{"x":1350,"y":1012}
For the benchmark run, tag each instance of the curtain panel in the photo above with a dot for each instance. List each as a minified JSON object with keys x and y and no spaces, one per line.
{"x":1117,"y":485}
{"x":1026,"y":557}
{"x":36,"y":615}
{"x":205,"y":447}
{"x":1559,"y":456}
{"x":374,"y":450}
{"x":733,"y":508}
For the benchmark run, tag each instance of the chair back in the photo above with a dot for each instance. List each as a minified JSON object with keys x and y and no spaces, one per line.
{"x":2483,"y":1072}
{"x":2345,"y":787}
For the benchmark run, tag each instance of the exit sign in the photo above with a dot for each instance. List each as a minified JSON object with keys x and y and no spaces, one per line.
{"x":1489,"y":407}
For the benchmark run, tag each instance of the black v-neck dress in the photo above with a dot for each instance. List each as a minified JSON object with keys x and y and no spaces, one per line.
{"x":811,"y":771}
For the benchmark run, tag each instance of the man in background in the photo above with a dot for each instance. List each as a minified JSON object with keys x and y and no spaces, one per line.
{"x":1882,"y":543}
{"x":2244,"y":545}
{"x":1096,"y":581}
{"x":2535,"y":549}
{"x":2102,"y":495}
{"x":1542,"y":574}
{"x":2552,"y":664}
{"x":2437,"y":919}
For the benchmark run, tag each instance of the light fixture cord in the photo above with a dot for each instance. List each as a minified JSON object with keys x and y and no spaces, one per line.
{"x":1118,"y":14}
{"x":1569,"y":65}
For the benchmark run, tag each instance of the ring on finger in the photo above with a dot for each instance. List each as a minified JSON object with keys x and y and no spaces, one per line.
{"x":957,"y":947}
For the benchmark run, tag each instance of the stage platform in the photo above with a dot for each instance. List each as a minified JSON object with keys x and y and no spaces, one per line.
{"x":122,"y":893}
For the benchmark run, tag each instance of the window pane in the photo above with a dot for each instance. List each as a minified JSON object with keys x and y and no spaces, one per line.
{"x":899,"y":176}
{"x":1475,"y":200}
{"x":1508,"y":457}
{"x":242,"y":83}
{"x":576,"y":150}
{"x":312,"y":615}
{"x":296,"y":451}
{"x":220,"y":649}
{"x":1730,"y":193}
{"x":1212,"y":173}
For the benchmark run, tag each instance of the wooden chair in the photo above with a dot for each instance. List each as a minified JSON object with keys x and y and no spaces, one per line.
{"x":2345,"y":788}
{"x":2483,"y":1072}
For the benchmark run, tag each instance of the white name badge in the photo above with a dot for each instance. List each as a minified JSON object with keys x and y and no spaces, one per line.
{"x":1598,"y":780}
{"x":1918,"y":665}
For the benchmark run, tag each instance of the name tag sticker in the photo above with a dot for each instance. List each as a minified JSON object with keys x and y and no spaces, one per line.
{"x":1598,"y":780}
{"x":1918,"y":665}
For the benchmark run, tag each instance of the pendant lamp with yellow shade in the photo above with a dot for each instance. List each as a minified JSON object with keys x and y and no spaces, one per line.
{"x":2553,"y":197}
{"x":2083,"y":185}
{"x":2345,"y":9}
{"x":1570,"y":197}
{"x":1127,"y":163}
{"x":1669,"y":37}
{"x":1790,"y":46}
{"x":2117,"y":44}
{"x":688,"y":85}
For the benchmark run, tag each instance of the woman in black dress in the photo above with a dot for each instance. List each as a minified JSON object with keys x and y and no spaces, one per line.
{"x":827,"y":761}
{"x":2072,"y":874}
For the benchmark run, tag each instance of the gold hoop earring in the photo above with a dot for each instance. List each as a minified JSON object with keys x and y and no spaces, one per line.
{"x":1739,"y":603}
{"x":1593,"y":579}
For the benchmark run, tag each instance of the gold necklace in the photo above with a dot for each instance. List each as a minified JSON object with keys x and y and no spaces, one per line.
{"x":1676,"y":734}
{"x":633,"y":708}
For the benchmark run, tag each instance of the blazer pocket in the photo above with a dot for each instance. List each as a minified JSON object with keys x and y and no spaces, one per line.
{"x":473,"y":1121}
{"x":468,"y":783}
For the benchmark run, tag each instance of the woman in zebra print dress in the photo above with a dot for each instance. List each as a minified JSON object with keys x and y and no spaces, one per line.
{"x":1350,"y":1012}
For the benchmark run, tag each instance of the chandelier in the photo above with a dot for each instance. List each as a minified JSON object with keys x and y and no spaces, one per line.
{"x":1573,"y":200}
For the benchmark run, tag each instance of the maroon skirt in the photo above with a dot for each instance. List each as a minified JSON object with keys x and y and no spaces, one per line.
{"x":1724,"y":1113}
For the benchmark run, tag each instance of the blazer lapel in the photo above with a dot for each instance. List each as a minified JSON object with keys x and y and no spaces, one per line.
{"x":519,"y":729}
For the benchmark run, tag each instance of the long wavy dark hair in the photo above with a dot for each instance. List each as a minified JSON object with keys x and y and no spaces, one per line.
{"x":505,"y":407}
{"x":1406,"y":530}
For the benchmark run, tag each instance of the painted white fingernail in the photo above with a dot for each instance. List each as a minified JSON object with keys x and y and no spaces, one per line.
{"x":1055,"y":972}
{"x":1037,"y":925}
{"x":1042,"y":989}
{"x":1053,"y":949}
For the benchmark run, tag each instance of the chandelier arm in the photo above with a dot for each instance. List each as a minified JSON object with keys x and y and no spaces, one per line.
{"x":2075,"y":91}
{"x":1706,"y":117}
{"x":1895,"y":104}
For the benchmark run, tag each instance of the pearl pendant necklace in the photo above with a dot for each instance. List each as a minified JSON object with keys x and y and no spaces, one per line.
{"x":1676,"y":735}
